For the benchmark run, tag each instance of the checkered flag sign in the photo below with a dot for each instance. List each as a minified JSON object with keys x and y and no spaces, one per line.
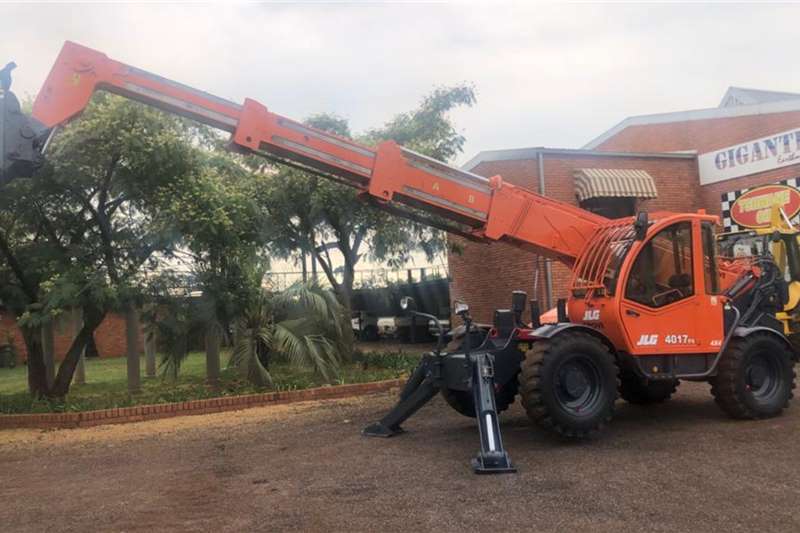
{"x":729,"y":198}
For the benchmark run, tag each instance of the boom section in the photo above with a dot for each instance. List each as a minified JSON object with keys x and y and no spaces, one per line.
{"x":395,"y":178}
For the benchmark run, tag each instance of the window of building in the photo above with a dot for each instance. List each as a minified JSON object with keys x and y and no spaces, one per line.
{"x":662,"y":273}
{"x":610,"y":207}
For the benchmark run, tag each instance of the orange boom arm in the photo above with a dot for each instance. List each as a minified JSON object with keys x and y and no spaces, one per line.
{"x":395,"y":178}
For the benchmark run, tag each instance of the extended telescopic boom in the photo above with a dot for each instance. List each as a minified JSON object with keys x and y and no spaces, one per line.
{"x":395,"y":178}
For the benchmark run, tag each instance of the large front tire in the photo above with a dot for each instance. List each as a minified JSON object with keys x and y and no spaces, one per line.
{"x":463,"y":403}
{"x":568,"y":384}
{"x":755,"y":377}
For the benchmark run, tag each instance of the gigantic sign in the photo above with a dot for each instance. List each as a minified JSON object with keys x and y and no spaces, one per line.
{"x":753,"y":209}
{"x":777,"y":150}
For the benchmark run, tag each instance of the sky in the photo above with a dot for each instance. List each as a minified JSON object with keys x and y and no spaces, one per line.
{"x":553,"y":75}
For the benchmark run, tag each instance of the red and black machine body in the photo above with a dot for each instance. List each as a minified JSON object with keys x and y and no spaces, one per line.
{"x":647,"y":304}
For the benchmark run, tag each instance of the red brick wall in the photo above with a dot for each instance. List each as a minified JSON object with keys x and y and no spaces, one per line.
{"x":707,"y":135}
{"x":109,"y":336}
{"x":700,"y":135}
{"x":8,"y":325}
{"x":484,"y":275}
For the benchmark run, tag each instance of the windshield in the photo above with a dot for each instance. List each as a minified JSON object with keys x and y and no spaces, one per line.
{"x":619,"y":250}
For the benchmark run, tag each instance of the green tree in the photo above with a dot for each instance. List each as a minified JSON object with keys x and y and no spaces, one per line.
{"x":314,"y":216}
{"x":83,"y":231}
{"x":222,"y":228}
{"x":37,"y":284}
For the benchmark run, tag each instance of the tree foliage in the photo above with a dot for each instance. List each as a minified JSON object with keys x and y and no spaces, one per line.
{"x":222,"y":231}
{"x":81,"y":233}
{"x":317,"y":216}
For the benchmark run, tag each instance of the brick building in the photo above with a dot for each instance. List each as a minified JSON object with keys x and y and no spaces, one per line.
{"x":681,"y":161}
{"x":109,"y":337}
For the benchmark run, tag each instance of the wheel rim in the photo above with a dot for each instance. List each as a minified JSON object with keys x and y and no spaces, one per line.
{"x":762,"y":376}
{"x":579,"y":385}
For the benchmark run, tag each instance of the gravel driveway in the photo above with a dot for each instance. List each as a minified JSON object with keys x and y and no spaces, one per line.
{"x":681,"y":466}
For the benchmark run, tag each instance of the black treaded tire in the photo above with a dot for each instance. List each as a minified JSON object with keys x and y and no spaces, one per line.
{"x":633,"y":389}
{"x":462,"y":402}
{"x":568,"y":384}
{"x":755,"y":377}
{"x":794,"y":339}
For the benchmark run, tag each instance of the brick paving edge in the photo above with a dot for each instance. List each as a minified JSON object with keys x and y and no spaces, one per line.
{"x":138,"y":413}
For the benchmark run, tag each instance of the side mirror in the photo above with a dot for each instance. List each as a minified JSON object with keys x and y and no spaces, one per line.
{"x":641,"y":225}
{"x":461,"y":308}
{"x":407,"y":303}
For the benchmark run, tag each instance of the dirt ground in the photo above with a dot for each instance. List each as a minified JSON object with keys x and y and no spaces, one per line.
{"x":681,"y":466}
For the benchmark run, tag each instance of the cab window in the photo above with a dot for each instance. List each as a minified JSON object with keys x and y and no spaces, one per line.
{"x":662,"y":272}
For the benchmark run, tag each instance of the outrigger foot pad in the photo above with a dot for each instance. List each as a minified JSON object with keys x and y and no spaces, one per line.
{"x":379,"y":430}
{"x":495,"y":464}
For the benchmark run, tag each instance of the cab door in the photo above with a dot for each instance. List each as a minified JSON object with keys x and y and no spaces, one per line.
{"x":670,"y":305}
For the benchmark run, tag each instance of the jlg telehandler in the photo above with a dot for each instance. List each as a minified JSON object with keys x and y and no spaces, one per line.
{"x":647,"y":304}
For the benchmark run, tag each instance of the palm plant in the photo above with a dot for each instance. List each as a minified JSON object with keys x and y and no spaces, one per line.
{"x":167,"y":316}
{"x":172,"y":330}
{"x":303,"y":325}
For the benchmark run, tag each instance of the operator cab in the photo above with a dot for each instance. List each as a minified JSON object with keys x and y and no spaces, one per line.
{"x":651,"y":285}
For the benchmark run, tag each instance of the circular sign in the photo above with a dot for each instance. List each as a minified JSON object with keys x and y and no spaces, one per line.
{"x":753,"y":209}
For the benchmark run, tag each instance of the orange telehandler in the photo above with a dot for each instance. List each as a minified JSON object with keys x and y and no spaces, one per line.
{"x":648,"y":305}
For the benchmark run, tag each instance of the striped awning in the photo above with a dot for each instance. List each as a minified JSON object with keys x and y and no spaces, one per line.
{"x":614,"y":182}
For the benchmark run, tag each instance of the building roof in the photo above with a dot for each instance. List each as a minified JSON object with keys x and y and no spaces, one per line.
{"x":737,"y":102}
{"x":513,"y":154}
{"x":736,"y":96}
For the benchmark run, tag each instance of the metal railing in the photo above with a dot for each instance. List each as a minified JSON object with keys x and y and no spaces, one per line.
{"x":364,"y":279}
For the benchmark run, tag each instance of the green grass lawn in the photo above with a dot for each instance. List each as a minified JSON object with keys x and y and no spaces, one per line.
{"x":106,"y":383}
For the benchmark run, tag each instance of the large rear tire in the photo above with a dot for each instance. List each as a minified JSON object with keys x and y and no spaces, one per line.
{"x":633,"y":389}
{"x":462,"y":401}
{"x":755,"y":377}
{"x":568,"y":384}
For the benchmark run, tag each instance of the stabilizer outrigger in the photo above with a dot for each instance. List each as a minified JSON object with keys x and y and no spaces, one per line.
{"x":466,"y":371}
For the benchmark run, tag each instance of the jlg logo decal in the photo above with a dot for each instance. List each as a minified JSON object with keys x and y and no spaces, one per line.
{"x":591,"y":314}
{"x":647,"y":340}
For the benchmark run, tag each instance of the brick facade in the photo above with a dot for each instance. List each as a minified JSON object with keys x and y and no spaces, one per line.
{"x":109,"y":336}
{"x":707,"y":135}
{"x":698,"y":135}
{"x":485,"y":275}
